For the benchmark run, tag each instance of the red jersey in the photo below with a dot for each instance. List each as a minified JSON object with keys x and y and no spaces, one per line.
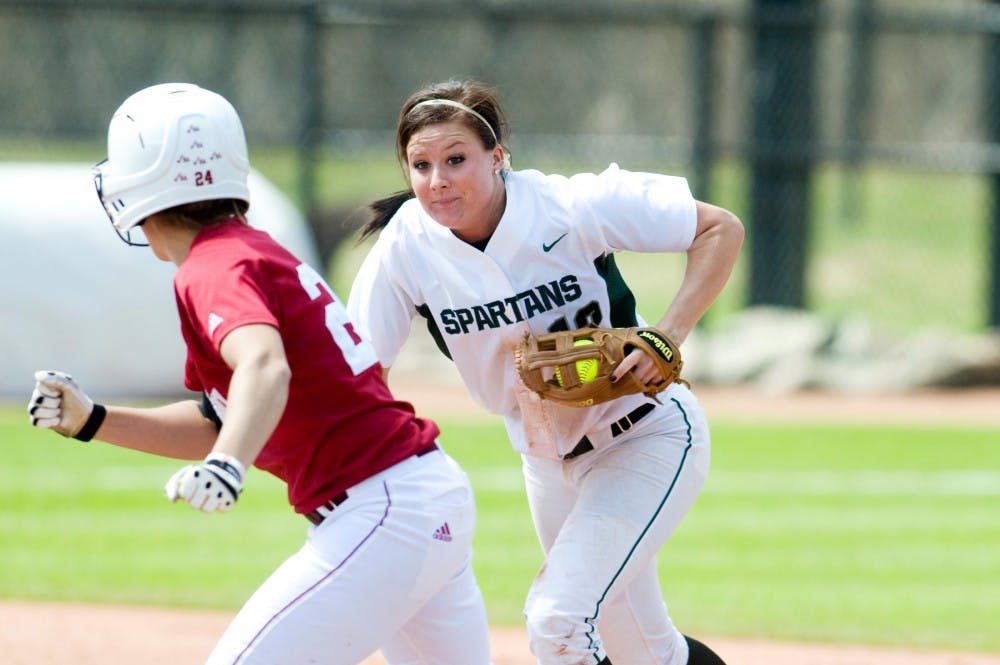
{"x":341,"y":424}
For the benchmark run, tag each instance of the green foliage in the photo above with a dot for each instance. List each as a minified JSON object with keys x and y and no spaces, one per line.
{"x":37,"y":149}
{"x":903,"y":250}
{"x":847,"y":534}
{"x":341,"y":183}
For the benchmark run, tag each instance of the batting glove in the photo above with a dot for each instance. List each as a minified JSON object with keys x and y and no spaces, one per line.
{"x":213,"y":485}
{"x":58,"y":404}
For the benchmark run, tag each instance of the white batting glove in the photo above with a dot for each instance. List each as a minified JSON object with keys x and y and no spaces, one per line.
{"x":213,"y":485}
{"x":58,"y":404}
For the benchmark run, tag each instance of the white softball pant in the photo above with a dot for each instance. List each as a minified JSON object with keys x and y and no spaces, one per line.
{"x":601,"y":518}
{"x":387,"y":569}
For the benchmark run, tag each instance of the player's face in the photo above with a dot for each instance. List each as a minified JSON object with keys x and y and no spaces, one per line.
{"x":455,"y":179}
{"x":154,"y":237}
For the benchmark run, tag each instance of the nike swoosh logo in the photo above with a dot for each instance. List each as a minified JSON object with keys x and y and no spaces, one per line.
{"x":546,"y":248}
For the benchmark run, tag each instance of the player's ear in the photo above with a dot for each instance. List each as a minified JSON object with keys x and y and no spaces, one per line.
{"x":499,"y":159}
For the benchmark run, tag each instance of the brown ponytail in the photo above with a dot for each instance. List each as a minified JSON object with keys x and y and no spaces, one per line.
{"x":383,"y":210}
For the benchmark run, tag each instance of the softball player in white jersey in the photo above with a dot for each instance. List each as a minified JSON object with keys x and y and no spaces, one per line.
{"x":484,"y":255}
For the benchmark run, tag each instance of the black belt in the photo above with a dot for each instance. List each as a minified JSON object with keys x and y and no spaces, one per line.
{"x":621,"y":425}
{"x":317,"y":517}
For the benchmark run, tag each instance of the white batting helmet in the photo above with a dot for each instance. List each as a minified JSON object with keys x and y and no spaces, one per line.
{"x":168,"y":145}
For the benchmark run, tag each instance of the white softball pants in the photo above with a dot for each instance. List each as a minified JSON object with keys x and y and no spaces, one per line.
{"x":601,"y":519}
{"x":388,"y":569}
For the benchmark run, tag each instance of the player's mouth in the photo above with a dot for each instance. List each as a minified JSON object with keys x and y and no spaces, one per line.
{"x":445,"y":203}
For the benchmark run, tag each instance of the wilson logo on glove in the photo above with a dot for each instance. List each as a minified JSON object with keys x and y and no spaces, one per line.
{"x":658,"y":342}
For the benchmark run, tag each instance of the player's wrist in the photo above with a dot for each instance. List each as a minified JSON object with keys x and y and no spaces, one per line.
{"x":676,"y":334}
{"x":229,"y":471}
{"x":94,"y":421}
{"x":231,"y":466}
{"x":213,"y":485}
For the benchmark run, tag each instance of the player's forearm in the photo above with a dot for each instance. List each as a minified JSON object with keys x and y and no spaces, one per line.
{"x":258,"y":392}
{"x":177,"y":430}
{"x":710,"y":262}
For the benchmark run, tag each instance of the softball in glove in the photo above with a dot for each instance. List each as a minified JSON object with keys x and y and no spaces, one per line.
{"x":574,"y":352}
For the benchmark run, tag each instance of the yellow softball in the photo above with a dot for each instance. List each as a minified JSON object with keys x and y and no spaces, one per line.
{"x":585,"y":369}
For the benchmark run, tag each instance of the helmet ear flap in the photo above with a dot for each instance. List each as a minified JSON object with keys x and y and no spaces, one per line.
{"x":110,"y":205}
{"x":169,"y":145}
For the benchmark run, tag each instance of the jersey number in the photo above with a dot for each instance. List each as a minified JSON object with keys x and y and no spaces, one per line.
{"x":588,"y":316}
{"x":358,"y":353}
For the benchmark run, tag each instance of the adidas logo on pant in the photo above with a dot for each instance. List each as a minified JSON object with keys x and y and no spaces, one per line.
{"x":443,"y":533}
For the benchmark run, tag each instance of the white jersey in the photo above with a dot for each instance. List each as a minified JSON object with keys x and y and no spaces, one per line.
{"x":548,"y":266}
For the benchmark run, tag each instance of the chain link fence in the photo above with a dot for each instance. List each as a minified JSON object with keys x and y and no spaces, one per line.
{"x":856,"y":139}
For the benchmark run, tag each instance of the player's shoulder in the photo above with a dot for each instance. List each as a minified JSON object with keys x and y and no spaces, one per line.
{"x":534,"y":187}
{"x":554,"y":190}
{"x":578,"y":184}
{"x":222,"y":248}
{"x":536,"y":181}
{"x":617,"y":184}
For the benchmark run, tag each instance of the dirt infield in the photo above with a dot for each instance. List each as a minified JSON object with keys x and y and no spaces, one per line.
{"x":70,"y":634}
{"x":67,"y":634}
{"x":978,"y":407}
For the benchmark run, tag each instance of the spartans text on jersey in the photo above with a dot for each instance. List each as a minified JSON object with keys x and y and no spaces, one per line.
{"x":516,"y":308}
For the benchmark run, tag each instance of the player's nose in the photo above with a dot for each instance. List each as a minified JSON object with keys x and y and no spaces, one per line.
{"x":438,"y":178}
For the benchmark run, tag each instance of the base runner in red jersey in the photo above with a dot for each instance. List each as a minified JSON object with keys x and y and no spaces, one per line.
{"x":288,"y":386}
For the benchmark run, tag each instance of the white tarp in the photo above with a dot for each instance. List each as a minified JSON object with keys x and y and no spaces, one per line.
{"x":74,"y":297}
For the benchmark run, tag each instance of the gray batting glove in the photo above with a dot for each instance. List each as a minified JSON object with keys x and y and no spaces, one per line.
{"x":58,"y":404}
{"x":213,"y":485}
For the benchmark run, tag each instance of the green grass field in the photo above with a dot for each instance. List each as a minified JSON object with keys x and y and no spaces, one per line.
{"x":849,"y":534}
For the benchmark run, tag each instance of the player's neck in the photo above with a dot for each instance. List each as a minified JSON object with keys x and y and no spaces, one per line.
{"x":169,"y":242}
{"x":494,"y":213}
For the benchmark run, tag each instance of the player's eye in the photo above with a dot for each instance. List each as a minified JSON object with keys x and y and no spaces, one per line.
{"x":456,"y":159}
{"x":418,"y":166}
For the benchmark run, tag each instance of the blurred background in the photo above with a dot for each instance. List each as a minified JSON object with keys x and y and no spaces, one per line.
{"x":858,"y":140}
